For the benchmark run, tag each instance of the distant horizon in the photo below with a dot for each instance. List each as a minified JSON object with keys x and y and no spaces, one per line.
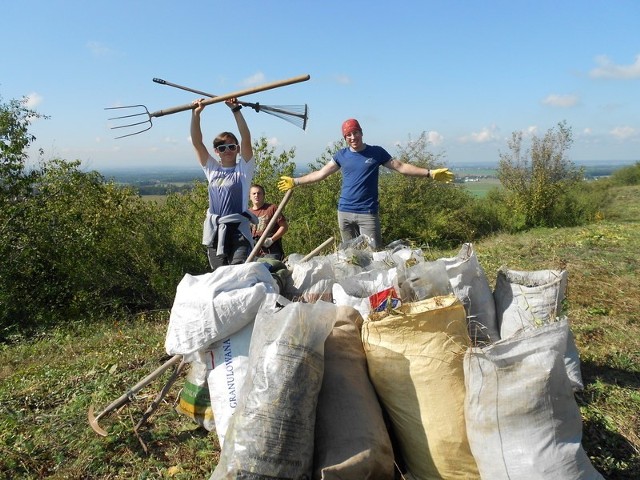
{"x":461,"y":165}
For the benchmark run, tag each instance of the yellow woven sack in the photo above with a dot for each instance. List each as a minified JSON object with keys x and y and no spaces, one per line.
{"x":415,"y":360}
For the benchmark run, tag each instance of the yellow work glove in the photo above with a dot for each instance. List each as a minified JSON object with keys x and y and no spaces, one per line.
{"x":286,"y":183}
{"x":442,"y":175}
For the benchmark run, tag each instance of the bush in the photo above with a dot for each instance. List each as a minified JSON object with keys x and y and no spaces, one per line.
{"x":77,"y":247}
{"x":626,"y":175}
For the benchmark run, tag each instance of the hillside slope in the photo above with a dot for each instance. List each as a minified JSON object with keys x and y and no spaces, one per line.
{"x":48,"y":383}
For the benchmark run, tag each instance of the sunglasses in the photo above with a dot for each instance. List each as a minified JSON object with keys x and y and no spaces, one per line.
{"x":223,"y":148}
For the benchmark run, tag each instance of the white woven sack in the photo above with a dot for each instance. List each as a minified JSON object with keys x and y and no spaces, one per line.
{"x":523,"y":422}
{"x":471,"y":286}
{"x":212,"y":306}
{"x":527,"y":299}
{"x":230,"y":359}
{"x":305,"y":275}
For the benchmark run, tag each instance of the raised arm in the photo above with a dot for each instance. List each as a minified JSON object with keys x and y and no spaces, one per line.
{"x":196,"y":134}
{"x":246,"y":149}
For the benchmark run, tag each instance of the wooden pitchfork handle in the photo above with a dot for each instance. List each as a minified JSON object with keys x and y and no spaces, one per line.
{"x":126,"y":397}
{"x":228,"y":96}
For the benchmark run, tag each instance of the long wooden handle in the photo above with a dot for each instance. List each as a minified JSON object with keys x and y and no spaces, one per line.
{"x":317,"y":250}
{"x":199,"y":92}
{"x":240,"y":93}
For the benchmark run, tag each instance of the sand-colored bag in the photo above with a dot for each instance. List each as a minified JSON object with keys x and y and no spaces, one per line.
{"x":415,"y":360}
{"x":351,"y":439}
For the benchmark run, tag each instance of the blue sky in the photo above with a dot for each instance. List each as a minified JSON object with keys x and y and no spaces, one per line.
{"x":466,"y":73}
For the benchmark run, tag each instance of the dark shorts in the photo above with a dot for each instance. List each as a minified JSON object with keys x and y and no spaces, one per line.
{"x":236,"y":249}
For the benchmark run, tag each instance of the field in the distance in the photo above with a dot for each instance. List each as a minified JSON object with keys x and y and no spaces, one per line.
{"x":155,"y":184}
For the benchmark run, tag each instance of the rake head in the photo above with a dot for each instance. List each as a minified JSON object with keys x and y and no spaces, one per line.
{"x":140,"y":111}
{"x":297,"y":115}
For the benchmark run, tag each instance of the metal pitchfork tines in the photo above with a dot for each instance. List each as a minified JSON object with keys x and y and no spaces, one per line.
{"x":295,"y":114}
{"x":142,"y":111}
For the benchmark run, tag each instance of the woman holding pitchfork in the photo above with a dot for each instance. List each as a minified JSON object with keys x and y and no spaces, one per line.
{"x":226,"y":230}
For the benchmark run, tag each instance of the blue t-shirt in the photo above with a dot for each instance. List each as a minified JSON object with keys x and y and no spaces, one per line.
{"x":359,"y":192}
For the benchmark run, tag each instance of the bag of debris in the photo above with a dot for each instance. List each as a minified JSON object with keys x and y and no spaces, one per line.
{"x":415,"y":360}
{"x":369,"y":291}
{"x":195,"y":402}
{"x":351,"y":438}
{"x":306,"y":274}
{"x":523,"y":422}
{"x":271,"y":432}
{"x":529,"y":299}
{"x":321,"y":290}
{"x":225,"y":379}
{"x":399,"y":255}
{"x":425,"y":280}
{"x":471,"y":286}
{"x":212,"y":306}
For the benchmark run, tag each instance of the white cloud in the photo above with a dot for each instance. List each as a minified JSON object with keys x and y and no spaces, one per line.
{"x":255,"y":79}
{"x":343,"y":79}
{"x":624,"y":133}
{"x":98,"y":49}
{"x":33,"y":100}
{"x":531,"y":131}
{"x":273,"y":142}
{"x":487,"y":134}
{"x":608,"y":69}
{"x":587,"y":131}
{"x":563,"y":101}
{"x":434,"y":138}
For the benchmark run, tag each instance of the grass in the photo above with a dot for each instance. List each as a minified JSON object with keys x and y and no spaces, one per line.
{"x":47,"y":383}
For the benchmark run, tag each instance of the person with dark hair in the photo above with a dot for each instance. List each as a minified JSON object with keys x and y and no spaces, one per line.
{"x":227,"y":226}
{"x":360,"y":164}
{"x":272,"y":246}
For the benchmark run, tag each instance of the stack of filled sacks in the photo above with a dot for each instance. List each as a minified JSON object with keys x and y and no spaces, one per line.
{"x":386,"y":361}
{"x":522,"y":418}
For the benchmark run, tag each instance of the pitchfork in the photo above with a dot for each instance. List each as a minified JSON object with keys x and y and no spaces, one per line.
{"x":142,"y":111}
{"x":295,"y":114}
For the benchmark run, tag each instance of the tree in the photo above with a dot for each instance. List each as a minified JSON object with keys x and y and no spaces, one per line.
{"x":537,"y":178}
{"x":15,"y":139}
{"x":269,"y":167}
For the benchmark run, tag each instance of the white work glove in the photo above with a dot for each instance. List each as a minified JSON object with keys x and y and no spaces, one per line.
{"x":267,"y":242}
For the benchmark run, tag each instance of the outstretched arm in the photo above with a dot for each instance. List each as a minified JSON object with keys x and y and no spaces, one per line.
{"x":438,"y":174}
{"x":287,"y":183}
{"x":407,"y":168}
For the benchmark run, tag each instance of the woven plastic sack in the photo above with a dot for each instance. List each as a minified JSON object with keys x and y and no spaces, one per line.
{"x":471,"y":286}
{"x":271,"y":432}
{"x":212,"y":306}
{"x":225,"y":379}
{"x":529,"y":299}
{"x":523,"y":422}
{"x":415,"y":364}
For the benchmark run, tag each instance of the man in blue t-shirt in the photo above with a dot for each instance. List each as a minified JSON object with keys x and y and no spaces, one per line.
{"x":360,"y":163}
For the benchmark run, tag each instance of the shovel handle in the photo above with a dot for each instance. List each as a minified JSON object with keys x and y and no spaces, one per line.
{"x":228,"y":96}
